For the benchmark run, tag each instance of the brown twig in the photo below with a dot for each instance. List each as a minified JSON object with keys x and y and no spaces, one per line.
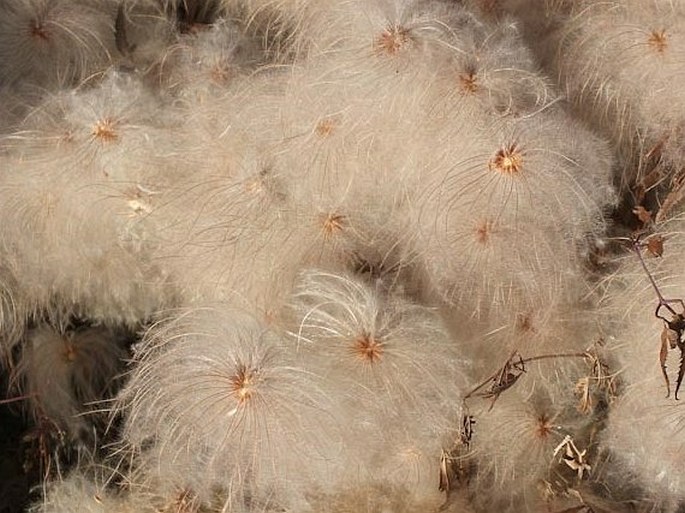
{"x":502,"y":379}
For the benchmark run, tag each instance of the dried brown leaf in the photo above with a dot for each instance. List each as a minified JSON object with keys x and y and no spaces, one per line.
{"x":651,"y":179}
{"x":663,"y":354}
{"x":681,"y":369}
{"x":655,"y":245}
{"x":674,"y":197}
{"x":444,"y":485}
{"x":585,"y":402}
{"x":644,"y":215}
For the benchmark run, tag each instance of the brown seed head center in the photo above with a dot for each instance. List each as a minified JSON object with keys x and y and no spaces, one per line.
{"x":105,"y":130}
{"x":331,"y":224}
{"x":243,"y":383}
{"x":69,"y":351}
{"x":181,"y":502}
{"x":543,"y":426}
{"x":38,"y":31}
{"x":325,"y":127}
{"x":525,"y":324}
{"x":219,"y":73}
{"x":658,"y":41}
{"x":483,"y":231}
{"x":468,"y":82}
{"x":508,"y":160}
{"x":368,"y":348}
{"x":392,"y":40}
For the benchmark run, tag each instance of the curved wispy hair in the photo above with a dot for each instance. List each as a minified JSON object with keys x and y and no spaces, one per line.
{"x":377,"y":352}
{"x":53,"y":43}
{"x":144,"y":30}
{"x":15,"y":103}
{"x":406,"y":455}
{"x":65,"y":373}
{"x":566,"y":329}
{"x":243,"y":252}
{"x":222,"y":403}
{"x":341,"y":230}
{"x":152,"y":495}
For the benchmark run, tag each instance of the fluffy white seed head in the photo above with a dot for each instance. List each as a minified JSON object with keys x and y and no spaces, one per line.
{"x":217,"y":401}
{"x":65,"y":374}
{"x":54,"y":43}
{"x":378,"y":352}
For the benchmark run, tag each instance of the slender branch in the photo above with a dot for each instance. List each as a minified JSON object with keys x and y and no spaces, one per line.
{"x":663,"y":302}
{"x":560,"y":355}
{"x":524,"y":361}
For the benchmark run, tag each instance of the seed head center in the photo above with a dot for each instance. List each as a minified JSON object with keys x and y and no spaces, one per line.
{"x":508,"y":160}
{"x":658,"y":41}
{"x":38,"y":31}
{"x":331,"y":224}
{"x":368,"y":348}
{"x":243,"y":383}
{"x":543,"y":426}
{"x":69,"y":351}
{"x":483,"y":231}
{"x":105,"y":130}
{"x":468,"y":83}
{"x":393,"y":39}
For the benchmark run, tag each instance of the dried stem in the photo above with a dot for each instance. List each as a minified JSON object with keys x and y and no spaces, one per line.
{"x":499,"y":371}
{"x":636,"y":245}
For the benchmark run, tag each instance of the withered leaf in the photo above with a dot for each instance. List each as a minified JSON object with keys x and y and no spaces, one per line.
{"x":663,"y":354}
{"x":655,"y":151}
{"x":505,"y":378}
{"x":646,"y":183}
{"x":585,"y":402}
{"x":655,"y":245}
{"x":644,"y":215}
{"x":444,"y":485}
{"x":681,"y":368}
{"x":674,"y":197}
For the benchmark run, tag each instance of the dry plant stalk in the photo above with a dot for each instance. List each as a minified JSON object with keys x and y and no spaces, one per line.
{"x":673,"y":321}
{"x":509,"y":373}
{"x":453,"y":463}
